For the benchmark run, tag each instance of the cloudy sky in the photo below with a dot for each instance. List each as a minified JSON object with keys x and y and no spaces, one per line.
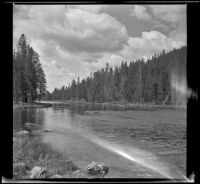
{"x":75,"y":40}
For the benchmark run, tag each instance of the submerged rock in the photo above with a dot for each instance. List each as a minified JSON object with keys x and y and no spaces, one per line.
{"x":23,"y":133}
{"x":97,"y":168}
{"x":47,"y":130}
{"x":38,"y":172}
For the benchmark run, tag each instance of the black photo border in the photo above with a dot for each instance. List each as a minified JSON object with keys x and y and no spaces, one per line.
{"x":193,"y":71}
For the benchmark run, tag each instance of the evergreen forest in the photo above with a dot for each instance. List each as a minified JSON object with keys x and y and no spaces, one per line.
{"x":138,"y":82}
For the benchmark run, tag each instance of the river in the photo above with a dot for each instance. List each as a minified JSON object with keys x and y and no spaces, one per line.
{"x":137,"y":143}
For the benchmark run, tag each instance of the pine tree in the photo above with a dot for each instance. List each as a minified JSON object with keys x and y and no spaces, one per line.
{"x":29,"y":81}
{"x":41,"y":82}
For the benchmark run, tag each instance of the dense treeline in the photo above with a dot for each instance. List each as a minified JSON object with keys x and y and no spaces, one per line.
{"x":29,"y":83}
{"x":137,"y":82}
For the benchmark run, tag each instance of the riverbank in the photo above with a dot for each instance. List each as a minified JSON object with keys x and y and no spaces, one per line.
{"x":120,"y":104}
{"x":30,"y":152}
{"x":34,"y":159}
{"x":36,"y":104}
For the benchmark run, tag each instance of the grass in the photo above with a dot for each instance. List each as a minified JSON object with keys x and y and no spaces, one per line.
{"x":32,"y":152}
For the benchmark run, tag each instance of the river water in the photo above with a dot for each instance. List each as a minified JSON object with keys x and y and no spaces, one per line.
{"x":137,"y":143}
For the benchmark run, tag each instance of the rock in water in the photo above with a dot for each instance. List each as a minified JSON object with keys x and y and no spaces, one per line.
{"x":38,"y":172}
{"x":47,"y":130}
{"x":23,"y":133}
{"x":97,"y":168}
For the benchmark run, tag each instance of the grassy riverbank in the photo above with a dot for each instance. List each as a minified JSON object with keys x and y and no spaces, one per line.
{"x":29,"y":151}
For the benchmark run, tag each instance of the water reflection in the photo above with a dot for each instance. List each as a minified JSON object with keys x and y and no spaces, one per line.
{"x":28,"y":116}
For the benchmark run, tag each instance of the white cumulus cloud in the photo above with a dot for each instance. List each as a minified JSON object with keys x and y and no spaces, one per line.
{"x":140,"y":12}
{"x":148,"y":44}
